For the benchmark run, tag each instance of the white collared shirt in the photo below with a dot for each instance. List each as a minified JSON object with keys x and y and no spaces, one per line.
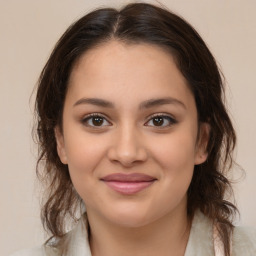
{"x":200,"y":241}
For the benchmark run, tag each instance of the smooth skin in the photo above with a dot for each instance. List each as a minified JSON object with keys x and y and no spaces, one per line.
{"x":126,"y":136}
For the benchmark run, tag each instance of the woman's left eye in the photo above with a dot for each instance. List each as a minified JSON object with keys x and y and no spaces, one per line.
{"x":161,"y":121}
{"x":95,"y":120}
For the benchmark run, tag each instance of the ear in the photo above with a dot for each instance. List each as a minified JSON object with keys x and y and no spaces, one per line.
{"x":60,"y":145}
{"x":202,"y":142}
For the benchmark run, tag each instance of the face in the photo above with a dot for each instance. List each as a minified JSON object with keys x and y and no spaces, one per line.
{"x":130,"y":133}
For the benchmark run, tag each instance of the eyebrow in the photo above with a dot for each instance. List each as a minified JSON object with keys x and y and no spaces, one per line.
{"x":162,"y":101}
{"x":144,"y":105}
{"x":95,"y":101}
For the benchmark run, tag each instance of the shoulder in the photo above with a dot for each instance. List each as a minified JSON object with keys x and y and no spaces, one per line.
{"x":244,"y":241}
{"x":75,"y":242}
{"x":37,"y":251}
{"x":72,"y":243}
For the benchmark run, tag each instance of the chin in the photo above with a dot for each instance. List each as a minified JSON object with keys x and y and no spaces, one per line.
{"x":131,"y":218}
{"x":131,"y":221}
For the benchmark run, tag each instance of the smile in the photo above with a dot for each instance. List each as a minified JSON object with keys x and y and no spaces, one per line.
{"x":128,"y":184}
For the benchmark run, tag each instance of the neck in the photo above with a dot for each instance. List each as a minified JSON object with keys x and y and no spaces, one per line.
{"x":167,"y":236}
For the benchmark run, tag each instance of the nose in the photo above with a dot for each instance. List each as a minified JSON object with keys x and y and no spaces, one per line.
{"x":128,"y":147}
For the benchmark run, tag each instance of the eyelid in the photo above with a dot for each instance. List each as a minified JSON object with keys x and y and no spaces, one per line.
{"x":172,"y":120}
{"x":89,"y":116}
{"x":164,"y":115}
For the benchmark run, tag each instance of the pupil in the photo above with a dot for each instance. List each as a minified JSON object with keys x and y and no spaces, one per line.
{"x":97,"y":121}
{"x":158,"y":121}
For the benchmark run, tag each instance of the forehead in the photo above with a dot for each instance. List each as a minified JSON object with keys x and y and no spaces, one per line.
{"x":115,"y":54}
{"x":133,"y":69}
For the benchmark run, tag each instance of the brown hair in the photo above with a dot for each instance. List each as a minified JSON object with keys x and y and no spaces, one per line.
{"x":138,"y":23}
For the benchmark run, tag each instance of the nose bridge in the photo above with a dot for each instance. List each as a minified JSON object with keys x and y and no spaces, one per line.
{"x":127,"y":139}
{"x":128,"y":146}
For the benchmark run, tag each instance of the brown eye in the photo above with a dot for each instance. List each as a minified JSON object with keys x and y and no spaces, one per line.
{"x":95,"y":120}
{"x":158,"y":121}
{"x":161,"y":121}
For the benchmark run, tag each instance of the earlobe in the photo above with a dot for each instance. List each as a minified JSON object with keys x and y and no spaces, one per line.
{"x":60,"y":145}
{"x":201,"y":158}
{"x":202,"y":142}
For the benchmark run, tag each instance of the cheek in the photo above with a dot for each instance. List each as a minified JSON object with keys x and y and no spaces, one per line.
{"x":175,"y":152}
{"x":175,"y":155}
{"x":83,"y":157}
{"x":176,"y":158}
{"x":84,"y":153}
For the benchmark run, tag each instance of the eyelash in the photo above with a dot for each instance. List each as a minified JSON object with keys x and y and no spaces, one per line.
{"x":170,"y":119}
{"x":90,"y":116}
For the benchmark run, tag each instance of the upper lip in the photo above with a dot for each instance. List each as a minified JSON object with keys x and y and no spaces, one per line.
{"x":132,"y":177}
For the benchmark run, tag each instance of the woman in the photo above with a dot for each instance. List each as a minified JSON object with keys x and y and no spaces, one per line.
{"x":132,"y":126}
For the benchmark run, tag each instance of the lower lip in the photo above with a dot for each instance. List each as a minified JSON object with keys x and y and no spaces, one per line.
{"x":129,"y":188}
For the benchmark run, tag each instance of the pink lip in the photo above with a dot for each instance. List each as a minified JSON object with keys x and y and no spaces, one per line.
{"x":128,"y":184}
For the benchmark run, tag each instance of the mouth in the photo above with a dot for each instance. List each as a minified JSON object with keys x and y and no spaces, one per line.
{"x":128,"y":184}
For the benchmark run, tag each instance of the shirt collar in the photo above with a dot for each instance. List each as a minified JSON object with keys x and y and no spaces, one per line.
{"x":200,"y":241}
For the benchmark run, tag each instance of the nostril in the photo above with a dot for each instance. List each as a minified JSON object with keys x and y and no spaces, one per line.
{"x":127,"y":147}
{"x":127,"y":157}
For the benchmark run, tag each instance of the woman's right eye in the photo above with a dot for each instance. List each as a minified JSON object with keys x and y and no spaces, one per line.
{"x":95,"y":120}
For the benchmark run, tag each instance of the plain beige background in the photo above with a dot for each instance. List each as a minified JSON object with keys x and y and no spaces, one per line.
{"x":29,"y":30}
